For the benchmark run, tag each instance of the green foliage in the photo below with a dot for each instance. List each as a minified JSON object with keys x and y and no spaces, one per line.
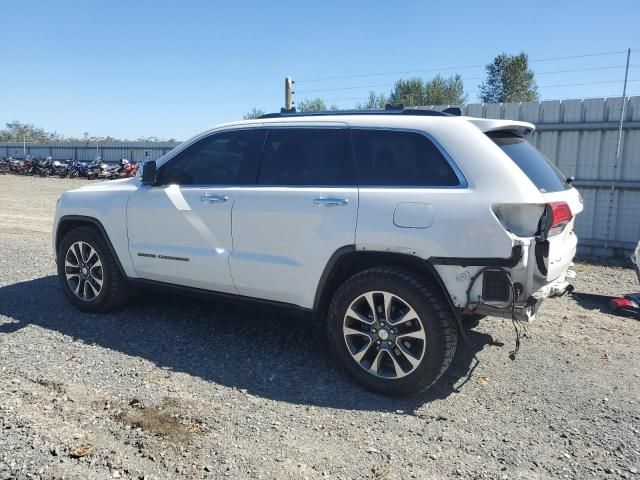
{"x":254,"y":113}
{"x":375,"y":101}
{"x":153,"y":138}
{"x":446,"y":91}
{"x":315,"y":105}
{"x":509,"y":79}
{"x":437,"y":91}
{"x":18,"y":131}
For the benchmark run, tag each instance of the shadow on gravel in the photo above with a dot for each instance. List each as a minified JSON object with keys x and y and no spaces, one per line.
{"x":268,"y":353}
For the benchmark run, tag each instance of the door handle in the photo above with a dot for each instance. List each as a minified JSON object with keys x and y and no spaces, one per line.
{"x":212,"y":198}
{"x":331,"y":202}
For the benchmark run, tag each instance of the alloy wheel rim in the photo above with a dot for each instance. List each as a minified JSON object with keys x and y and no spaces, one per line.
{"x":384,"y":335}
{"x":83,"y":271}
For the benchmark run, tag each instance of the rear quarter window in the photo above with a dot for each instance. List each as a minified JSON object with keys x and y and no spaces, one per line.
{"x":542,"y":173}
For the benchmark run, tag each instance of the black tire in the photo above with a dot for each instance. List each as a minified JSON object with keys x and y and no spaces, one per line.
{"x":426,"y":299}
{"x":113,"y":292}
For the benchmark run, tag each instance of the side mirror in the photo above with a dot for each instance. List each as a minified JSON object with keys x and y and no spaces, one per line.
{"x":149,"y":172}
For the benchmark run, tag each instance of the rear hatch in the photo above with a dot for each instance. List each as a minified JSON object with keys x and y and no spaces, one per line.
{"x":560,"y":247}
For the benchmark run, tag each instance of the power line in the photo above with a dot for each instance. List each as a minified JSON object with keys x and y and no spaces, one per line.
{"x":355,"y":87}
{"x":541,"y":86}
{"x":613,"y":95}
{"x":361,"y":75}
{"x":587,"y":83}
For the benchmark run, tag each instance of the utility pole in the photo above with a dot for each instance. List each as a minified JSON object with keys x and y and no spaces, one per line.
{"x":24,"y":145}
{"x":287,"y":93}
{"x":612,"y":192}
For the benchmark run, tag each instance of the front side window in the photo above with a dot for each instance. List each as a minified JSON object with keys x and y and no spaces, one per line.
{"x":307,"y":156}
{"x":397,"y":158}
{"x":218,"y":159}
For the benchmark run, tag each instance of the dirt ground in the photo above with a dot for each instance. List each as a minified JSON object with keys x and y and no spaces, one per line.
{"x":175,"y":387}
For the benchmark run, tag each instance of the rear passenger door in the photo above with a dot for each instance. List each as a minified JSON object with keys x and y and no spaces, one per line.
{"x":301,"y":209}
{"x":411,"y":192}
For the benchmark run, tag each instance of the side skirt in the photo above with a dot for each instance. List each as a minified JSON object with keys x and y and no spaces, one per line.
{"x":288,"y":308}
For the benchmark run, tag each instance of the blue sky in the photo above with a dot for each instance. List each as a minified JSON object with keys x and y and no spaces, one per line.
{"x":170,"y":68}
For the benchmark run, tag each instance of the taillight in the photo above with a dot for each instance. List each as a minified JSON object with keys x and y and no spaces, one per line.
{"x":522,"y":219}
{"x":558,"y":215}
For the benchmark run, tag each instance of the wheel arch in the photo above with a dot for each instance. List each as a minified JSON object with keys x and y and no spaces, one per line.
{"x":69,"y":222}
{"x":347,"y":261}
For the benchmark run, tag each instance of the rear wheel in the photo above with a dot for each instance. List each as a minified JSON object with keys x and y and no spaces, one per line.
{"x":392,"y":330}
{"x":88,"y":272}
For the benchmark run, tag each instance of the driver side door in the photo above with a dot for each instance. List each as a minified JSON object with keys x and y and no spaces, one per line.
{"x":180,"y":229}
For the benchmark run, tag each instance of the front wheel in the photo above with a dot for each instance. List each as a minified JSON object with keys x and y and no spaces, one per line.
{"x":88,"y":272}
{"x":392,"y":330}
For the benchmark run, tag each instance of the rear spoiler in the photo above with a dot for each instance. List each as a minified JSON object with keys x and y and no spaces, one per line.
{"x":492,"y":125}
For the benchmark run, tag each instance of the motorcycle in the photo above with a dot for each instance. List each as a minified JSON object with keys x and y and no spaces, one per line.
{"x":79,"y":169}
{"x":45,"y":167}
{"x":65,"y":169}
{"x":98,"y":169}
{"x":131,"y":170}
{"x":5,"y":166}
{"x":37,"y":167}
{"x":58,"y":169}
{"x":14,"y":166}
{"x":26,"y":166}
{"x":124,"y":169}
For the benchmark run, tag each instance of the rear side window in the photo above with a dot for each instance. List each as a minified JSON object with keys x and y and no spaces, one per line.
{"x":307,"y":156}
{"x":395,"y":158}
{"x":544,"y":174}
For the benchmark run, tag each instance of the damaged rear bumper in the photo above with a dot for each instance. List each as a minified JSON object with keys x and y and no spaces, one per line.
{"x":486,"y":286}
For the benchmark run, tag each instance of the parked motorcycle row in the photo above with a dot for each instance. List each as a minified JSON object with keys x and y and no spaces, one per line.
{"x":48,"y":167}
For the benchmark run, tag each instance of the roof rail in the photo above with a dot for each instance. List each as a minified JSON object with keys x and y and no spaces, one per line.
{"x":388,"y":110}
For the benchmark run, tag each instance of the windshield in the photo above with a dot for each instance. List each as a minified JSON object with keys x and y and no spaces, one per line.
{"x":544,"y":174}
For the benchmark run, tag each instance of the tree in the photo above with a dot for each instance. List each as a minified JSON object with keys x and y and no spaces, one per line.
{"x":315,"y":105}
{"x":509,"y":79}
{"x":437,"y":91}
{"x":254,"y":113}
{"x":17,"y":132}
{"x":375,"y":101}
{"x":445,"y":91}
{"x":408,"y":92}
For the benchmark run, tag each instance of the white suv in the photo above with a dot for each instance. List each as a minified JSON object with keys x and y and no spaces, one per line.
{"x":387,"y":227}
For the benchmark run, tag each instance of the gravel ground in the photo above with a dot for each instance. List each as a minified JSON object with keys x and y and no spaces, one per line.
{"x":175,"y":387}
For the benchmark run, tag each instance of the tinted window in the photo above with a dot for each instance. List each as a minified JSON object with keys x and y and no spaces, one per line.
{"x":390,"y":158}
{"x":544,"y":174}
{"x":215,"y":160}
{"x":307,"y":156}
